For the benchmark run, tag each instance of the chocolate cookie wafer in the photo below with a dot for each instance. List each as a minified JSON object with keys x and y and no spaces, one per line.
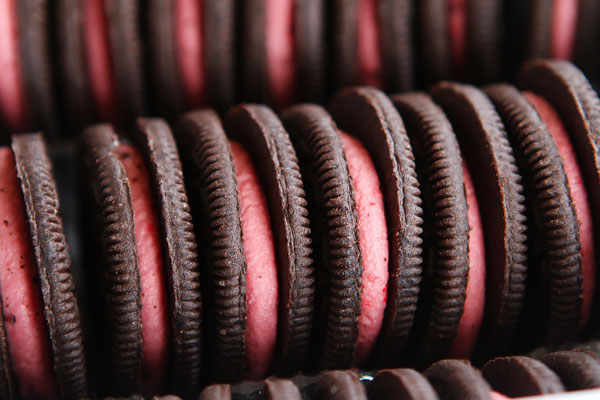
{"x":577,"y":369}
{"x":402,"y":383}
{"x":457,"y":379}
{"x":146,"y":259}
{"x":484,"y":144}
{"x":280,"y":389}
{"x":339,"y":385}
{"x":370,"y":117}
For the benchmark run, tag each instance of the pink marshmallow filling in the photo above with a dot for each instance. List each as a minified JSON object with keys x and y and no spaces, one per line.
{"x":22,"y":306}
{"x":564,"y":25}
{"x":12,"y":94}
{"x":368,"y":45}
{"x":99,"y":60}
{"x":189,"y":40}
{"x":457,"y":31}
{"x":155,"y":334}
{"x":578,"y":196}
{"x":261,"y":267}
{"x":373,"y":241}
{"x":280,"y":46}
{"x":470,"y":322}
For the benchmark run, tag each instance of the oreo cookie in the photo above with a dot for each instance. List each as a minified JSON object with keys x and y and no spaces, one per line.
{"x":368,"y":116}
{"x":216,"y":392}
{"x":401,"y":383}
{"x":260,"y":273}
{"x":99,"y":61}
{"x":578,"y":369}
{"x":283,"y":51}
{"x":41,"y":339}
{"x":144,"y":267}
{"x":189,"y":67}
{"x":559,"y":242}
{"x":519,"y":376}
{"x":280,"y":389}
{"x":484,"y":144}
{"x":339,"y":385}
{"x":372,"y":44}
{"x":457,"y":379}
{"x":26,"y":87}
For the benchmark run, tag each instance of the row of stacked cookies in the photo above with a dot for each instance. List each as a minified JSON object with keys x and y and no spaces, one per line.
{"x":383,"y":231}
{"x":69,"y":63}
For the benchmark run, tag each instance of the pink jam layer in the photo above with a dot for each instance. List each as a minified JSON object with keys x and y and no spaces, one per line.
{"x":280,"y":46}
{"x":22,"y":305}
{"x":99,"y":60}
{"x":155,"y":325}
{"x":373,"y":241}
{"x":189,"y":40}
{"x":564,"y":25}
{"x":368,"y":46}
{"x":470,"y":322}
{"x":12,"y":94}
{"x":457,"y":30}
{"x":261,"y":267}
{"x":578,"y":196}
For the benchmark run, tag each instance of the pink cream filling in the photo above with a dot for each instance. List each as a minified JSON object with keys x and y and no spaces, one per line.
{"x":261,"y":267}
{"x":99,"y":60}
{"x":280,"y":45}
{"x":22,"y":305}
{"x":368,"y":46}
{"x":578,"y":196}
{"x":470,"y":322}
{"x":12,"y":94}
{"x":457,"y":30}
{"x":498,"y":396}
{"x":373,"y":242}
{"x":189,"y":39}
{"x":564,"y":25}
{"x":155,"y":335}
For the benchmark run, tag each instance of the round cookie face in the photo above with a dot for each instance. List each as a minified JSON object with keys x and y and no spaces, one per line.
{"x":484,"y":40}
{"x":369,"y":115}
{"x":280,"y":389}
{"x":457,"y":379}
{"x":485,"y":146}
{"x":577,"y":369}
{"x":434,"y":44}
{"x":339,"y":385}
{"x":401,"y":383}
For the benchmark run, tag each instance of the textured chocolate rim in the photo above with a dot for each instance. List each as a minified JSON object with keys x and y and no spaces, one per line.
{"x":336,"y":239}
{"x":155,"y":141}
{"x":310,"y":42}
{"x":485,"y":146}
{"x":123,"y":18}
{"x":521,"y":376}
{"x":396,"y":39}
{"x":560,"y":266}
{"x":212,"y":185}
{"x":577,"y":370}
{"x":445,"y":229}
{"x":343,"y":50}
{"x":263,"y":136}
{"x":572,"y":96}
{"x":484,"y":40}
{"x":435,"y":53}
{"x":404,"y":383}
{"x":110,"y":198}
{"x":457,"y":379}
{"x":538,"y":33}
{"x":370,"y":116}
{"x":53,"y":261}
{"x":255,"y":77}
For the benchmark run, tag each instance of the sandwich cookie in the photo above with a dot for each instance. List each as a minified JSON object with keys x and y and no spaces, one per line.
{"x":569,"y":106}
{"x":41,"y":344}
{"x":26,"y":90}
{"x":460,"y":39}
{"x":339,"y":385}
{"x":348,"y":225}
{"x":577,"y":370}
{"x":145,"y":263}
{"x":452,"y":297}
{"x":99,"y":53}
{"x":489,"y":158}
{"x":369,"y":117}
{"x":403,"y":383}
{"x":190,"y":68}
{"x":562,"y":259}
{"x":260,"y":276}
{"x":283,"y":51}
{"x":457,"y":379}
{"x":373,"y":44}
{"x":520,"y":376}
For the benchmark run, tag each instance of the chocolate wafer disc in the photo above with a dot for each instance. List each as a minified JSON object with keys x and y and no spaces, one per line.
{"x":339,"y":385}
{"x":370,"y":116}
{"x":343,"y":48}
{"x":280,"y":389}
{"x":484,"y":40}
{"x":395,"y":19}
{"x":310,"y":47}
{"x":213,"y":188}
{"x":577,"y":369}
{"x":262,"y":135}
{"x":457,"y":379}
{"x":521,"y":376}
{"x":556,"y":266}
{"x":484,"y":144}
{"x":335,"y":233}
{"x":53,"y":263}
{"x":434,"y":44}
{"x":538,"y":34}
{"x":445,"y":229}
{"x":216,"y":392}
{"x":403,"y":383}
